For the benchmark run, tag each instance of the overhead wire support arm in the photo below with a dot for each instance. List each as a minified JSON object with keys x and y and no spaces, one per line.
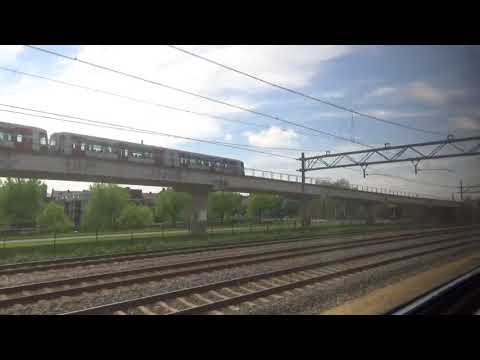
{"x":447,"y":148}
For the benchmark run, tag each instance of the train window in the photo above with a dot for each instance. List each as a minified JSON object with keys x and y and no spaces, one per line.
{"x":109,"y":149}
{"x":97,"y":148}
{"x":19,"y":138}
{"x":52,"y":142}
{"x":43,"y":140}
{"x":125,"y":152}
{"x":82,"y":147}
{"x":74,"y":146}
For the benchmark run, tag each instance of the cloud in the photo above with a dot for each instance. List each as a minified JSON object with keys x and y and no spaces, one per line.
{"x":466,"y":123}
{"x":336,"y":94}
{"x":228,"y":137}
{"x":425,"y":92}
{"x":382,"y":91}
{"x":274,"y":136}
{"x":387,"y":113}
{"x":8,"y":53}
{"x":420,"y":91}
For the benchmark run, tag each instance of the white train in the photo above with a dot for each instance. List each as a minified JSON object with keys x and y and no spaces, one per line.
{"x":31,"y":139}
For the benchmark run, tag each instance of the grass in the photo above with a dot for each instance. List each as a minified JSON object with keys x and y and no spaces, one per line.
{"x":71,"y":238}
{"x":141,"y":243}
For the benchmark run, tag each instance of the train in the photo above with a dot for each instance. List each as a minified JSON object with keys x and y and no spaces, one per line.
{"x":31,"y":139}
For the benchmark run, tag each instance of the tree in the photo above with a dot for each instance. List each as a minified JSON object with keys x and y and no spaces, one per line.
{"x":261,"y":205}
{"x":104,"y":207}
{"x":172,"y":205}
{"x":53,"y":219}
{"x":224,"y":205}
{"x":135,"y":216}
{"x":290,"y":208}
{"x":21,"y":201}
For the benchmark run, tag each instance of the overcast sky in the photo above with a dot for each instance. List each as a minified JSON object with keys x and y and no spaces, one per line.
{"x":429,"y":87}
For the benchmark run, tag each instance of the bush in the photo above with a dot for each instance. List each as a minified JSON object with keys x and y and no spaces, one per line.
{"x":53,"y":219}
{"x":135,"y":216}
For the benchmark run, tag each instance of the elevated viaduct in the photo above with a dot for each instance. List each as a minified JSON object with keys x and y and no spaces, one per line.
{"x":198,"y":183}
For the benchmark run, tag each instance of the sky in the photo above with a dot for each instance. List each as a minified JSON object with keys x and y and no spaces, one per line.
{"x":429,"y":87}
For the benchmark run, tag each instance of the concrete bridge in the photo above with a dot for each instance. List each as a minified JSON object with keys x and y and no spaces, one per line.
{"x":199,"y":183}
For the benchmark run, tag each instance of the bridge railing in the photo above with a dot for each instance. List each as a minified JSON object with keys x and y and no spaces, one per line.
{"x":266,"y":174}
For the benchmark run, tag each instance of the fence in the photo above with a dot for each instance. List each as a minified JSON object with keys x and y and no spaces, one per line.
{"x":313,"y":181}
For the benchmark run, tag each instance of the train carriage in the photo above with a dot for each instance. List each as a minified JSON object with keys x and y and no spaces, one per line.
{"x":94,"y":147}
{"x":23,"y":138}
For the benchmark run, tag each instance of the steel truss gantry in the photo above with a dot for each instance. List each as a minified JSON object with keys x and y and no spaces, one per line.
{"x":448,"y":148}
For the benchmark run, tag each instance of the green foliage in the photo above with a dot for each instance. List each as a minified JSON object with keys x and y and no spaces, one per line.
{"x":224,"y":205}
{"x":53,"y":219}
{"x":290,"y":208}
{"x":21,"y":201}
{"x":135,"y":216}
{"x":104,"y":207}
{"x":171,"y":205}
{"x":262,"y":205}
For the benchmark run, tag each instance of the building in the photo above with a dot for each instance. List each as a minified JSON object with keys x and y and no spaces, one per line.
{"x":74,"y":203}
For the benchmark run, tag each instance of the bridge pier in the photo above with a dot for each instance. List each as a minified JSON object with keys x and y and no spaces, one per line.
{"x":198,"y":215}
{"x":372,"y":210}
{"x":199,"y":207}
{"x":306,"y":212}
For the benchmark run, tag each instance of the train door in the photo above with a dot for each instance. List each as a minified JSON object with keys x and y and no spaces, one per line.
{"x":64,"y":144}
{"x":124,"y":153}
{"x":158,"y":155}
{"x":42,"y":139}
{"x":23,"y":139}
{"x":78,"y":147}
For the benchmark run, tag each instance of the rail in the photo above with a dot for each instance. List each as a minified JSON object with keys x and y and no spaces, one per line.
{"x":266,"y":174}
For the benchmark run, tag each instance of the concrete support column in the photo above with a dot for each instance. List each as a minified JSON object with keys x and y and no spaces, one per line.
{"x":198,"y":215}
{"x":372,"y":209}
{"x":307,"y":212}
{"x":199,"y":208}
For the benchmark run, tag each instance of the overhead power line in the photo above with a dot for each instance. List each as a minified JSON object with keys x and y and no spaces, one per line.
{"x":129,"y":97}
{"x":311,"y":97}
{"x":169,"y":107}
{"x":112,"y":124}
{"x":238,"y":107}
{"x":104,"y":124}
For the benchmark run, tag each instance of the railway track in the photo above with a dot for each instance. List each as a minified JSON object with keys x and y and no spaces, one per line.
{"x":227,"y":296}
{"x":33,"y":292}
{"x":9,"y":269}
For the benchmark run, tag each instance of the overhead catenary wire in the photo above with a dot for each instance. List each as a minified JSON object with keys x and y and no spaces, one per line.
{"x":113,"y":124}
{"x":88,"y":88}
{"x":173,"y":88}
{"x":104,"y":124}
{"x":305,"y":95}
{"x":165,"y":106}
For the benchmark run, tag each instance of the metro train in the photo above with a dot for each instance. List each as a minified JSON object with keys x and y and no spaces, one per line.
{"x":35,"y":140}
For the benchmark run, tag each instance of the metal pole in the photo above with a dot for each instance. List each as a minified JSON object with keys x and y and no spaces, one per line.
{"x":461,"y":190}
{"x":304,"y":202}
